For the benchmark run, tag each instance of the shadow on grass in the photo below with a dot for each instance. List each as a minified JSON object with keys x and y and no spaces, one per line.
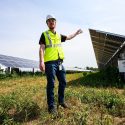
{"x":29,"y":112}
{"x":97,"y":80}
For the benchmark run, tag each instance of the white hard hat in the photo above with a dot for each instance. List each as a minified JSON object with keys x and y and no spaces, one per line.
{"x":50,"y":17}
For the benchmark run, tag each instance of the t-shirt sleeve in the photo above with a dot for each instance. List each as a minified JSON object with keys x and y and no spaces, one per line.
{"x":63,"y":38}
{"x":42,"y":39}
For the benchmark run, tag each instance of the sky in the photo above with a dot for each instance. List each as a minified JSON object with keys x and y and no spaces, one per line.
{"x":23,"y":21}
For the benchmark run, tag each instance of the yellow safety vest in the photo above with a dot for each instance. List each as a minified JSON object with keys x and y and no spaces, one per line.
{"x":53,"y":48}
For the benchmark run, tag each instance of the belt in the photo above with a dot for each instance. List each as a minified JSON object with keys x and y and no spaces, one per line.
{"x":54,"y":61}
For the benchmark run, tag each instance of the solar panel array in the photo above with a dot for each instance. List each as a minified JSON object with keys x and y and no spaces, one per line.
{"x":16,"y":62}
{"x":105,"y":45}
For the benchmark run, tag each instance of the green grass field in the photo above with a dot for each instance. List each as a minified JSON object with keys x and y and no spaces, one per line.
{"x":23,"y":102}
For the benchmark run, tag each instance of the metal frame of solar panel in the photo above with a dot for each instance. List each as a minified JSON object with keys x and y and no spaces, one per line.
{"x":16,"y":62}
{"x":106,"y":46}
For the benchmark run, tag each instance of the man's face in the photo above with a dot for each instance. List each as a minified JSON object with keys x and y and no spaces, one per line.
{"x":51,"y":23}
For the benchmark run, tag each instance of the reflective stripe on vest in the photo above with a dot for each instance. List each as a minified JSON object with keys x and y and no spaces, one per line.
{"x":55,"y":45}
{"x":50,"y":42}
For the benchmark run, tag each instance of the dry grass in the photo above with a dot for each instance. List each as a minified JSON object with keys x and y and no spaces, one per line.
{"x":80,"y":113}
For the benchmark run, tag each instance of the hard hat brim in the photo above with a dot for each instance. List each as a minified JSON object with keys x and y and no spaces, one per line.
{"x":50,"y":19}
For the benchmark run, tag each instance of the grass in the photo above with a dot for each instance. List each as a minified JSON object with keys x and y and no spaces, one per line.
{"x":23,"y":102}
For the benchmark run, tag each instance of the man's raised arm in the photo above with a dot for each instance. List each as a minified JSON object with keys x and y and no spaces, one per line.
{"x":69,"y":37}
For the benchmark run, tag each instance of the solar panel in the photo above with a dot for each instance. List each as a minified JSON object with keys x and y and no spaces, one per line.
{"x":17,"y":62}
{"x":5,"y":63}
{"x":105,"y":45}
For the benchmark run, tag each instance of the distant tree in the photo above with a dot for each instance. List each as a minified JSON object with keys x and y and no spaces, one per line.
{"x":91,"y":68}
{"x":87,"y":67}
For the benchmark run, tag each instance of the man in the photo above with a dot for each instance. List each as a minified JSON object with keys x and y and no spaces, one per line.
{"x":51,"y":57}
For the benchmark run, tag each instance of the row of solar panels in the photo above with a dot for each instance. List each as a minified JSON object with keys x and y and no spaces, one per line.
{"x":9,"y":61}
{"x":106,"y":45}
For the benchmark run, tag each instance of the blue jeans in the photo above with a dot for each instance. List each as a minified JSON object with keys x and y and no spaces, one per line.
{"x":52,"y":70}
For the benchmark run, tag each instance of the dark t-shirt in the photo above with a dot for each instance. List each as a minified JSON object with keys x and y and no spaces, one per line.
{"x":42,"y":39}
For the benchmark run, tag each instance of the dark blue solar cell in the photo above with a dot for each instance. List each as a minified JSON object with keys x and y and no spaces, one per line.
{"x":9,"y":61}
